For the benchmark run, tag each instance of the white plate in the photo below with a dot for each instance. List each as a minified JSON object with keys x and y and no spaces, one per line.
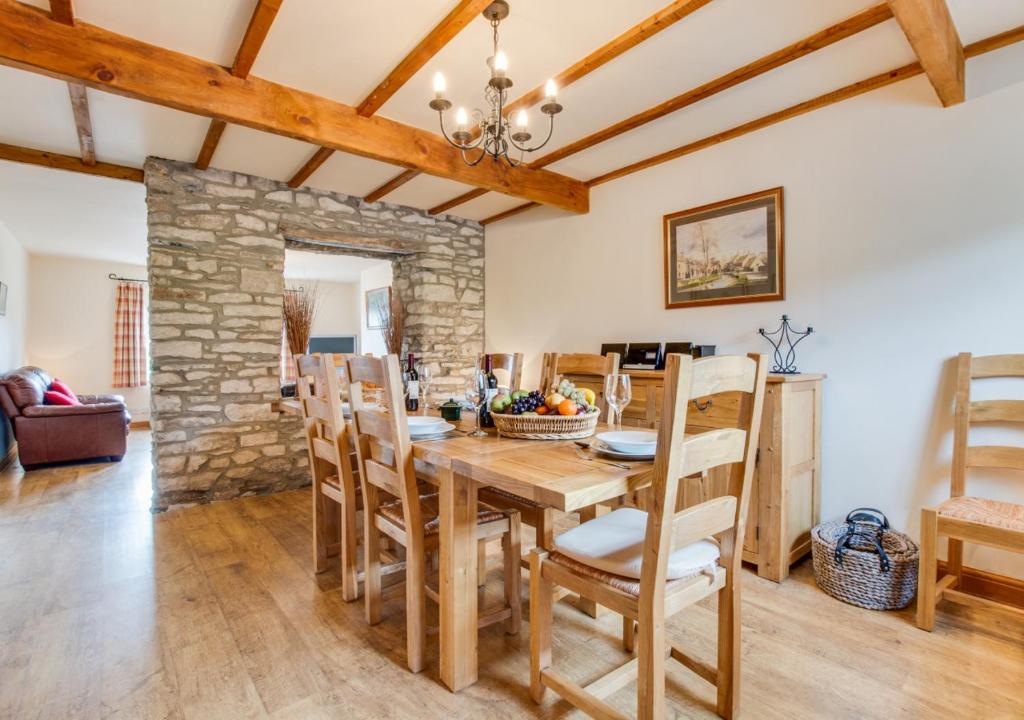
{"x":630,"y":442}
{"x":416,"y":422}
{"x":346,"y":409}
{"x":429,"y":431}
{"x":603,"y":449}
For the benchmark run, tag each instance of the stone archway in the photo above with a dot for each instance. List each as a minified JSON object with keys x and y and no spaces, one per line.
{"x":216,"y":271}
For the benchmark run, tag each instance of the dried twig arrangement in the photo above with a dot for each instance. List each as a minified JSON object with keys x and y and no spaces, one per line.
{"x":300,"y":306}
{"x":394,"y":324}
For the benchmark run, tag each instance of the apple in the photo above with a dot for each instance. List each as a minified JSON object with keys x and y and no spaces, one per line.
{"x":500,"y":402}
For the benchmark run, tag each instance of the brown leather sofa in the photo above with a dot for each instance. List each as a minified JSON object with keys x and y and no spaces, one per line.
{"x":98,"y":428}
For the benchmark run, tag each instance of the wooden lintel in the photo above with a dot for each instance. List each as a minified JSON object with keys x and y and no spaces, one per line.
{"x":930,"y":30}
{"x":68,"y":162}
{"x":347,"y":241}
{"x":30,"y":39}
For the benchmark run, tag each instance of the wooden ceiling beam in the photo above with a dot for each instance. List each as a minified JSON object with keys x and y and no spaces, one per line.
{"x":829,"y":36}
{"x":29,"y":39}
{"x":664,"y":18}
{"x":63,"y":11}
{"x":930,"y":30}
{"x":986,"y":45}
{"x":391,"y":184}
{"x":43,"y":158}
{"x":83,"y":122}
{"x":443,"y":33}
{"x":255,"y":35}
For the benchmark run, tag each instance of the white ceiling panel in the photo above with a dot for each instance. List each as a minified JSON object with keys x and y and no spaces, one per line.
{"x":349,"y":174}
{"x":426,"y":191}
{"x":55,"y":212}
{"x":36,"y":112}
{"x":487,"y":205}
{"x":209,"y":30}
{"x":127,"y":131}
{"x":300,"y":265}
{"x":342,"y":50}
{"x":258,"y":153}
{"x":873,"y":51}
{"x":979,"y":19}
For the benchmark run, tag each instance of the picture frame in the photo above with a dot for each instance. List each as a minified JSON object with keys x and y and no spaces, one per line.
{"x":3,"y":299}
{"x":732,"y":251}
{"x":378,"y":305}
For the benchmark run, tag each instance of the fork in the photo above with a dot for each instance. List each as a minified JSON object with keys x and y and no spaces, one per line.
{"x":585,"y":456}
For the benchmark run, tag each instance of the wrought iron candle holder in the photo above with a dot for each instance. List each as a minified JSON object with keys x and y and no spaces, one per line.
{"x":782,"y":339}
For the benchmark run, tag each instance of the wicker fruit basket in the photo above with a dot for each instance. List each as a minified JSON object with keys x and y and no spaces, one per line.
{"x":546,"y":427}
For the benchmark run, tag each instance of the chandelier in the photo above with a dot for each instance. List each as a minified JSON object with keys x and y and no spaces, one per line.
{"x":492,"y":135}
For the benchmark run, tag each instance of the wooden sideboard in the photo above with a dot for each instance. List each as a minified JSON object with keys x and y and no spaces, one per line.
{"x":786,"y":499}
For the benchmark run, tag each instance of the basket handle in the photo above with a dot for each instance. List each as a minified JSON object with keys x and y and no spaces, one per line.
{"x":868,"y":516}
{"x":884,"y":564}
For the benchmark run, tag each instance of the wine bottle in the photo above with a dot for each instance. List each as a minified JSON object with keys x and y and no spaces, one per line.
{"x":492,"y":391}
{"x":412,"y":400}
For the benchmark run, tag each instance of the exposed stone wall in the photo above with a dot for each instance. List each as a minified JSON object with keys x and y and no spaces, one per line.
{"x":216,"y":261}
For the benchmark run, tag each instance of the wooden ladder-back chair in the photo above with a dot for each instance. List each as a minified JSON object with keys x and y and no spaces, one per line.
{"x":966,"y":518}
{"x":386,"y":464}
{"x":586,"y":370}
{"x":648,"y":566}
{"x":512,"y":363}
{"x":337,"y":498}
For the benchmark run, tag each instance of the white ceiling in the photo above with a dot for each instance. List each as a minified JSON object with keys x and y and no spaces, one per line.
{"x":343,"y":49}
{"x":299,"y":265}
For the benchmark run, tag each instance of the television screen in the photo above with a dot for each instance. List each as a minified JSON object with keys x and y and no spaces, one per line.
{"x":332,"y":344}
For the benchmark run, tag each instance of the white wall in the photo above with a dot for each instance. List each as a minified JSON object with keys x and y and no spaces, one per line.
{"x":371,"y":341}
{"x":904,"y":241}
{"x":71,"y":324}
{"x":337,"y":307}
{"x":13,"y":273}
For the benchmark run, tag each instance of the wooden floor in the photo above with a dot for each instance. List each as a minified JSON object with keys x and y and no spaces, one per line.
{"x":213,"y":612}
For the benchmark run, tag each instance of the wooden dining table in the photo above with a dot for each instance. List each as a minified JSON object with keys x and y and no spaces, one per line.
{"x":556,"y":473}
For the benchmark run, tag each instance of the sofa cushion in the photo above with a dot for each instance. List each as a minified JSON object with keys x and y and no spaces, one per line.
{"x":48,"y":411}
{"x":61,"y":387}
{"x":54,"y":397}
{"x":26,"y":386}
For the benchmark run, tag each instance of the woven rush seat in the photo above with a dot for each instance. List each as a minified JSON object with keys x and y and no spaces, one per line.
{"x":431,"y":510}
{"x":619,"y":582}
{"x":511,"y":496}
{"x":984,"y":511}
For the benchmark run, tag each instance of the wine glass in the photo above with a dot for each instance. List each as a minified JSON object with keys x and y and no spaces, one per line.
{"x":476,"y":395}
{"x":425,"y":377}
{"x":617,"y":393}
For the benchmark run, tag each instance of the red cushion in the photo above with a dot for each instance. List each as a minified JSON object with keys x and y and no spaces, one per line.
{"x":60,"y":387}
{"x":52,"y":397}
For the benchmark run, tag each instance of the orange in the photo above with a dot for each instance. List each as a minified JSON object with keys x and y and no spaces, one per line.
{"x":567,"y":407}
{"x":542,"y":410}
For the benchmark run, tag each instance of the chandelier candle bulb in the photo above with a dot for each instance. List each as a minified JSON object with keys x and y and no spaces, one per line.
{"x":439,"y":86}
{"x":522,"y":119}
{"x":550,"y":91}
{"x":500,"y":64}
{"x":461,"y":118}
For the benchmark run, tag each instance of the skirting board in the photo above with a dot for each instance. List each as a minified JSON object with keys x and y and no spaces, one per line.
{"x":1001,"y":588}
{"x":7,"y":460}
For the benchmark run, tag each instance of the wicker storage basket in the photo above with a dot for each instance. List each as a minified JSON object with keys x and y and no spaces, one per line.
{"x":859,"y":578}
{"x":546,"y":427}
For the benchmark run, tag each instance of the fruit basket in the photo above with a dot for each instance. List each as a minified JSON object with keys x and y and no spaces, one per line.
{"x":547,"y":427}
{"x":565,"y":413}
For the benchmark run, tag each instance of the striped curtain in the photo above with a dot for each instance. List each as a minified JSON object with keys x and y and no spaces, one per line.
{"x":130,"y":362}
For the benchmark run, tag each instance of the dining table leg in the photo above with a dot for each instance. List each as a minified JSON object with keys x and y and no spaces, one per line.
{"x":458,"y":585}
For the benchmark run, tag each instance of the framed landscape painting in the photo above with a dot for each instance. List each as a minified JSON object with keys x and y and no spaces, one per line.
{"x":726,"y":252}
{"x":378,"y":305}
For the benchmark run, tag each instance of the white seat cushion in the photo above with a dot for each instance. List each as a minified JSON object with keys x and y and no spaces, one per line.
{"x":614,"y":543}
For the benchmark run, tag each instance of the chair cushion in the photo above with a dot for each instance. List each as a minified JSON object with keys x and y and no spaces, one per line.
{"x":984,"y":511}
{"x":614,"y":544}
{"x":430,"y":507}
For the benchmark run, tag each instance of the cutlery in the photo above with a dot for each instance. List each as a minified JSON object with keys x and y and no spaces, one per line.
{"x":585,"y":456}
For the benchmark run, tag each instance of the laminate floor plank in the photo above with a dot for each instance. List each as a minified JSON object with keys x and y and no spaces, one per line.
{"x":213,"y":611}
